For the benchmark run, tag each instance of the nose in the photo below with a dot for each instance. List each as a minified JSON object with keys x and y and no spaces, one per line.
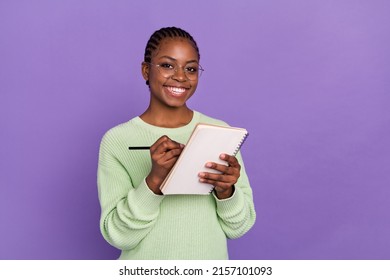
{"x":179,"y":74}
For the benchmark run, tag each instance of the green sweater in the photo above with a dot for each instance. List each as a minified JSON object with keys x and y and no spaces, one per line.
{"x":144,"y":225}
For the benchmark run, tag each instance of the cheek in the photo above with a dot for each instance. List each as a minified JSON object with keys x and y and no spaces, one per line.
{"x":155,"y":83}
{"x":152,"y":77}
{"x":194,"y":86}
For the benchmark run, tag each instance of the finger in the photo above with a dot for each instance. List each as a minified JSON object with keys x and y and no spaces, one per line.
{"x":166,"y":145}
{"x":218,"y":185}
{"x":223,"y":168}
{"x":168,"y":162}
{"x":213,"y":177}
{"x":158,"y":142}
{"x":231,"y":160}
{"x":169,"y":155}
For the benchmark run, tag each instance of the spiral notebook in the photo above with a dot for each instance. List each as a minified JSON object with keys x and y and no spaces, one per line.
{"x":206,"y":143}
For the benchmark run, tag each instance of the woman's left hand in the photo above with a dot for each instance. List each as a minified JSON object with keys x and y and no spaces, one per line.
{"x":224,"y":182}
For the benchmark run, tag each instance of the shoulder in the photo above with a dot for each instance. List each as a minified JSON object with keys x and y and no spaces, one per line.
{"x":210,"y":120}
{"x":120,"y":131}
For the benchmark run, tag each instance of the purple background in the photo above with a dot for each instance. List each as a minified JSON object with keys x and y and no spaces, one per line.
{"x":308,"y":79}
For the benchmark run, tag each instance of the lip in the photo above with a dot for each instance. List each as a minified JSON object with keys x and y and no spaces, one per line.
{"x":176,"y":91}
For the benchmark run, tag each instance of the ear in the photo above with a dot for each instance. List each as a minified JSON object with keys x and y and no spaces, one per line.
{"x":145,"y":70}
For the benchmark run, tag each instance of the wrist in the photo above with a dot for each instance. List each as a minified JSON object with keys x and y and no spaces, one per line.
{"x":153,"y":183}
{"x":225,"y":194}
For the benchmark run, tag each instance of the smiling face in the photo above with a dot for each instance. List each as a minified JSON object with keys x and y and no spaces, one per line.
{"x":171,"y":89}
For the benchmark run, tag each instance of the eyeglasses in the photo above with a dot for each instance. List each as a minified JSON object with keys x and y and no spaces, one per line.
{"x":167,"y":70}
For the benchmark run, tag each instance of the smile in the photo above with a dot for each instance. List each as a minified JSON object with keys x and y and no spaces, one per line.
{"x":177,"y":91}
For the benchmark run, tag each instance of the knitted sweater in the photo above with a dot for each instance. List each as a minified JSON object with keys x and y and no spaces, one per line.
{"x":144,"y":225}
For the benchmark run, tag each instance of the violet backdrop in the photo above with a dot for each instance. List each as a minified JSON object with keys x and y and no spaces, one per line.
{"x":308,"y":79}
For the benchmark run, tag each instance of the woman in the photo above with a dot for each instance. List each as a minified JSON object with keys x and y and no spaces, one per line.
{"x":136,"y":218}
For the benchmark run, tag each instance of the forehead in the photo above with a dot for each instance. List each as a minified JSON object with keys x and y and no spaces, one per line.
{"x":177,"y":48}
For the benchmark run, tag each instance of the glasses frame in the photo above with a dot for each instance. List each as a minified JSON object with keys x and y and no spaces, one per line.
{"x":200,"y":71}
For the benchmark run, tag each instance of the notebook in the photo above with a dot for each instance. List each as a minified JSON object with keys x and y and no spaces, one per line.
{"x":206,"y":143}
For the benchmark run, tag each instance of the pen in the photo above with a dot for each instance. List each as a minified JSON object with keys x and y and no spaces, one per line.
{"x":139,"y":148}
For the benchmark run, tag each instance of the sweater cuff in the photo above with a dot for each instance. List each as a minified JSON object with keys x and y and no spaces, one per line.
{"x":144,"y":196}
{"x":231,"y":203}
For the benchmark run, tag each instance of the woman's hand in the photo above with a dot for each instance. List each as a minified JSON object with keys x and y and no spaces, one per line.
{"x":224,"y":182}
{"x":164,"y":153}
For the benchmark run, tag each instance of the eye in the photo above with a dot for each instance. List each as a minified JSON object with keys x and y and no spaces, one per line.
{"x":192,"y":70}
{"x":166,"y":66}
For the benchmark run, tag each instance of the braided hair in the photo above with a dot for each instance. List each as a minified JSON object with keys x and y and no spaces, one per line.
{"x":166,"y":32}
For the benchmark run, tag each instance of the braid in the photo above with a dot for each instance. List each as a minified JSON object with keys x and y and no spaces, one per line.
{"x":166,"y":32}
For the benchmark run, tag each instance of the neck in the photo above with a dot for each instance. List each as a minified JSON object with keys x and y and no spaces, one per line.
{"x":169,"y":117}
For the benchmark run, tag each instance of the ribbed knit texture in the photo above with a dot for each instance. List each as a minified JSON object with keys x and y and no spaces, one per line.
{"x":148,"y":226}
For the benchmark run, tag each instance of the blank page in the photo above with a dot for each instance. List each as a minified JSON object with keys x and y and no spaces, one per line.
{"x":206,"y":144}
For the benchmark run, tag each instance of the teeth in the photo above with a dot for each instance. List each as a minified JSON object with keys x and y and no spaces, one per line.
{"x":176,"y":90}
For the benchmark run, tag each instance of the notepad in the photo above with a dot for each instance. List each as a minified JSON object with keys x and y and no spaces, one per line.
{"x":207,"y":142}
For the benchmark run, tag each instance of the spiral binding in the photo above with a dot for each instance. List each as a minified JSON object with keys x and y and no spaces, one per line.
{"x":235,"y":152}
{"x":241,"y":143}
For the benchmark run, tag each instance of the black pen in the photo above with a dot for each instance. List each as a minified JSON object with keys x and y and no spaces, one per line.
{"x":139,"y":148}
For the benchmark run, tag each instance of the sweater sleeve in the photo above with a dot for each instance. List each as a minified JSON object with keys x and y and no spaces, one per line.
{"x":237,"y":214}
{"x":128,"y":213}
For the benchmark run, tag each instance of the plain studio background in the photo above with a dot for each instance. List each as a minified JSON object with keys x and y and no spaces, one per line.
{"x":308,"y":79}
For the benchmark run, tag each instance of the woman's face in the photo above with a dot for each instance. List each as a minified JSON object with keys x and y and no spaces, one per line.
{"x":172,"y":88}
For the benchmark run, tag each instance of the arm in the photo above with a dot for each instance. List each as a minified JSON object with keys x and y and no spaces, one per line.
{"x":233,"y":196}
{"x":125,"y":220}
{"x":129,"y":212}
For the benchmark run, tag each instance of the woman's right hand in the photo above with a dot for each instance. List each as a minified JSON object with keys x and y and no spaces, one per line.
{"x":164,"y":153}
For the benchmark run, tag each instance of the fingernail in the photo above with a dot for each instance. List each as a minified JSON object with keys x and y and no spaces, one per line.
{"x":223,"y":156}
{"x":201,"y":174}
{"x":209,"y":164}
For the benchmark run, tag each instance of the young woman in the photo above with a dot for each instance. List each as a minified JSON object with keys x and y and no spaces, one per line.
{"x":136,"y":218}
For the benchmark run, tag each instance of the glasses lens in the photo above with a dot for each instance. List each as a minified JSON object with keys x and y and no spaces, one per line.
{"x":167,"y":70}
{"x":193,"y":72}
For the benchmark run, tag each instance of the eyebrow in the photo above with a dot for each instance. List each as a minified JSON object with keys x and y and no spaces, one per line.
{"x":174,"y":59}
